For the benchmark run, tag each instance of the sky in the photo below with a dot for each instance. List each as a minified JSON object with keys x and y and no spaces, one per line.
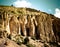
{"x":49,"y":6}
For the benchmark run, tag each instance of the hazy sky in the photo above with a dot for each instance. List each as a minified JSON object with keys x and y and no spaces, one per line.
{"x":49,"y":6}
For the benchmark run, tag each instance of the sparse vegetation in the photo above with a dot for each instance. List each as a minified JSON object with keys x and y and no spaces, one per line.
{"x":26,"y":40}
{"x":34,"y":38}
{"x":30,"y":45}
{"x":18,"y":39}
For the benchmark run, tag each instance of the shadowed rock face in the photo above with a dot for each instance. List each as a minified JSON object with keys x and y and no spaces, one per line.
{"x":56,"y":29}
{"x":40,"y":25}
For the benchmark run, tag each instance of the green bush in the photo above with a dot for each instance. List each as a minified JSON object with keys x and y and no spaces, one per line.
{"x":26,"y":40}
{"x":18,"y":42}
{"x":34,"y":38}
{"x":19,"y":39}
{"x":30,"y":45}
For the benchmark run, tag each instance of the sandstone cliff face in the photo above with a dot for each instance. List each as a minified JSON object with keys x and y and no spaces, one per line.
{"x":29,"y":23}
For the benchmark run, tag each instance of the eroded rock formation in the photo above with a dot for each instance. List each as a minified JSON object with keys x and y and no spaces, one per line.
{"x":40,"y":25}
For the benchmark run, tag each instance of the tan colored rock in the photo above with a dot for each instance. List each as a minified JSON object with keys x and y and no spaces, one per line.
{"x":44,"y":27}
{"x":14,"y":25}
{"x":7,"y":43}
{"x":22,"y":22}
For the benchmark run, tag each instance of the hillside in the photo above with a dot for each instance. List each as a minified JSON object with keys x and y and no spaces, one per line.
{"x":27,"y":27}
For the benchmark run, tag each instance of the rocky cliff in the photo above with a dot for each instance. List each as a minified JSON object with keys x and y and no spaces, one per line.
{"x":27,"y":23}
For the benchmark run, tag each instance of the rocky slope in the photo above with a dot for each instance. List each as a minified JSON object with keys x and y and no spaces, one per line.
{"x":26,"y":26}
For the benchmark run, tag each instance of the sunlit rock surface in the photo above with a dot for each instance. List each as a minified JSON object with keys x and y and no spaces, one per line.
{"x":27,"y":22}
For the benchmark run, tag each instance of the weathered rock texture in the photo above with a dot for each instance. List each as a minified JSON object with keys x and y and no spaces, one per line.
{"x":30,"y":22}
